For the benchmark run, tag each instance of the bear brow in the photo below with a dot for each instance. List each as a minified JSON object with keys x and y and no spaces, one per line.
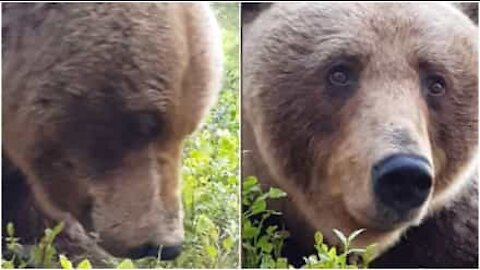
{"x":332,"y":50}
{"x":430,"y":60}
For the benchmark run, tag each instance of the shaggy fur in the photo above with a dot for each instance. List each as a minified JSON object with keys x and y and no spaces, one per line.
{"x":97,"y":99}
{"x":318,"y":142}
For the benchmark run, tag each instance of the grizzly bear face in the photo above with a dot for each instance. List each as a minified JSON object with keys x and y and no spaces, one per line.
{"x":366,"y":114}
{"x":97,"y":99}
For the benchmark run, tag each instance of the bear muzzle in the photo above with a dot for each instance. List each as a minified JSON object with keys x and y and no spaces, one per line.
{"x":401,"y":186}
{"x":153,"y":250}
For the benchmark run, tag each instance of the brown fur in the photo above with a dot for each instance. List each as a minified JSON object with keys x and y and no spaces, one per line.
{"x":97,"y":99}
{"x":319,"y":144}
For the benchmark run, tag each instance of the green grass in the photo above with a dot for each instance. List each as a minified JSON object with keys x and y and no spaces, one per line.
{"x":210,"y":187}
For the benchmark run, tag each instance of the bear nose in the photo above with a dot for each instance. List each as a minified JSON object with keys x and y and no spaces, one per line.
{"x":402,"y":182}
{"x":147,"y":250}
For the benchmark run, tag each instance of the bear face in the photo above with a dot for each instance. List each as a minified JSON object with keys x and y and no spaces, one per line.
{"x":97,"y":99}
{"x":365,"y":114}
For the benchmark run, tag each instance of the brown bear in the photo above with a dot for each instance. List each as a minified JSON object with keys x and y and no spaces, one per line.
{"x":366,"y":115}
{"x":97,"y":99}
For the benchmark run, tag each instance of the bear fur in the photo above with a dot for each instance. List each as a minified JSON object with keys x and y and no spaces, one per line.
{"x":318,"y":142}
{"x":97,"y":99}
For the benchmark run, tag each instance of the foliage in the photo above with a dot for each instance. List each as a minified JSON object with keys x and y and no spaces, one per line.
{"x":43,"y":254}
{"x":262,"y":244}
{"x":211,"y":164}
{"x":210,"y":188}
{"x":327,"y":258}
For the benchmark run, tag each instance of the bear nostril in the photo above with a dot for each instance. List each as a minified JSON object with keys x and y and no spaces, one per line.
{"x":153,"y":250}
{"x":402,"y":182}
{"x":171,"y":252}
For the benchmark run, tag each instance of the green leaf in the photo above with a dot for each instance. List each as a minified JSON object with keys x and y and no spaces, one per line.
{"x":318,"y":238}
{"x":282,"y":263}
{"x":258,"y":207}
{"x":271,"y":229}
{"x":126,"y":264}
{"x":249,"y":231}
{"x":275,"y":193}
{"x":211,"y":251}
{"x":267,"y":262}
{"x":340,"y":236}
{"x":332,"y":253}
{"x":85,"y":264}
{"x":8,"y":264}
{"x":355,"y":234}
{"x":369,"y":254}
{"x":10,"y":229}
{"x":249,"y":183}
{"x":48,"y":234}
{"x":264,"y":244}
{"x":227,"y":243}
{"x":58,"y":229}
{"x":65,"y":263}
{"x":356,"y":250}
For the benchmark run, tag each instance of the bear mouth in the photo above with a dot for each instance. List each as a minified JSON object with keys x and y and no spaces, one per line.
{"x":386,"y":219}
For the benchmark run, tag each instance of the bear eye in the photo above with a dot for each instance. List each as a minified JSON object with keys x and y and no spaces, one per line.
{"x":436,"y":86}
{"x":142,"y":127}
{"x":148,"y":125}
{"x":340,"y":76}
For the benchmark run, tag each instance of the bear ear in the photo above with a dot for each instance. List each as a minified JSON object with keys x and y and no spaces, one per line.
{"x":251,"y":10}
{"x":470,"y":9}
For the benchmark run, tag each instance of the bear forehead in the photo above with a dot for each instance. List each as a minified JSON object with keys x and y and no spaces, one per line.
{"x":309,"y":36}
{"x":369,"y":24}
{"x":378,"y":15}
{"x":103,"y":51}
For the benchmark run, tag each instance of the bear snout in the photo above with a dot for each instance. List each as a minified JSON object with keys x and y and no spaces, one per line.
{"x":401,"y":184}
{"x":154,"y":250}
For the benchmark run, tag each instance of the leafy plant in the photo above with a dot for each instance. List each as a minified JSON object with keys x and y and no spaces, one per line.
{"x":14,"y":249}
{"x":43,"y":254}
{"x":262,"y":244}
{"x":327,"y":257}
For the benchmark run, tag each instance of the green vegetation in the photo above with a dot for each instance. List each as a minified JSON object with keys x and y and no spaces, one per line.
{"x":210,"y":183}
{"x":210,"y":168}
{"x":43,"y":254}
{"x":262,"y":244}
